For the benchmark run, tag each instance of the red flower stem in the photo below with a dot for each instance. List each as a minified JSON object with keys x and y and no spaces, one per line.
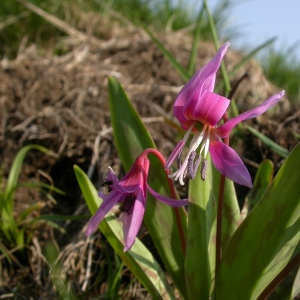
{"x":173,"y":195}
{"x":220,"y":210}
{"x":279,"y":278}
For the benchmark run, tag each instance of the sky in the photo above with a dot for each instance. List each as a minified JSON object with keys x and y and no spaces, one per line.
{"x":260,"y":20}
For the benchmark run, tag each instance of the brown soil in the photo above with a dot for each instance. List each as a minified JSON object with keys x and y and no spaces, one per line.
{"x":61,"y":102}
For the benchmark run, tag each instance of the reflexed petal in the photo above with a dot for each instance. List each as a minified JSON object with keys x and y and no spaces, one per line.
{"x":208,"y":109}
{"x":132,"y":222}
{"x":225,"y":129}
{"x":229,"y":164}
{"x":111,"y":175}
{"x":166,"y":200}
{"x":203,"y":80}
{"x":112,"y":199}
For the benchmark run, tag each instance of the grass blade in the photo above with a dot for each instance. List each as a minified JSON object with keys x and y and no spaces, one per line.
{"x":197,"y":33}
{"x":268,"y":142}
{"x":176,"y":65}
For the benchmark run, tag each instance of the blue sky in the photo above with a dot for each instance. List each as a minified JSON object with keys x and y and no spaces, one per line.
{"x":259,"y":20}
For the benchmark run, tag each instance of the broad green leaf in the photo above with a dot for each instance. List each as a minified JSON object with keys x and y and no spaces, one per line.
{"x":139,"y":260}
{"x":267,"y":141}
{"x":285,"y":290}
{"x":200,"y":252}
{"x":131,"y":138}
{"x":296,"y":285}
{"x":231,"y":210}
{"x":176,"y":65}
{"x":265,"y":241}
{"x":263,"y":179}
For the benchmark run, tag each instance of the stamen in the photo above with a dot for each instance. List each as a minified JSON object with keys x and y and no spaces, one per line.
{"x":195,"y":142}
{"x":203,"y":169}
{"x":193,"y":164}
{"x":179,"y":160}
{"x":128,"y":204}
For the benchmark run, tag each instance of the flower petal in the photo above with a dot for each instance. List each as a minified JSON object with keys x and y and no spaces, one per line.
{"x":229,"y":164}
{"x":208,"y":109}
{"x":132,"y":222}
{"x":225,"y":129}
{"x":126,"y":189}
{"x":166,"y":200}
{"x":109,"y":201}
{"x":202,"y":80}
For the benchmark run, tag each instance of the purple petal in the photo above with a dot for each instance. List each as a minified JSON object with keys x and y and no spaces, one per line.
{"x":225,"y":129}
{"x":203,"y":80}
{"x":126,"y":188}
{"x":112,"y":199}
{"x":229,"y":164}
{"x":111,"y":175}
{"x":169,"y":201}
{"x":132,"y":222}
{"x":208,"y":109}
{"x":175,"y":154}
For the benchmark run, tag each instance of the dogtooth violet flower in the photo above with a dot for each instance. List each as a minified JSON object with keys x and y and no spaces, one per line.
{"x":131,"y":193}
{"x":199,"y":110}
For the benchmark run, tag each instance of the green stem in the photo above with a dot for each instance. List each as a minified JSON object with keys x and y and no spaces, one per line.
{"x":173,"y":195}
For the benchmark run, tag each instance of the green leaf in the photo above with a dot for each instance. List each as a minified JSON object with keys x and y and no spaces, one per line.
{"x":131,"y":138}
{"x":263,"y":179}
{"x":139,"y":260}
{"x":264,"y":243}
{"x":296,"y":286}
{"x":200,"y":252}
{"x":176,"y":65}
{"x":231,"y":210}
{"x":268,"y":142}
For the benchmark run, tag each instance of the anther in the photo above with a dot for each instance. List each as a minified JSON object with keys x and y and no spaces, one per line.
{"x":203,"y":169}
{"x":193,"y":164}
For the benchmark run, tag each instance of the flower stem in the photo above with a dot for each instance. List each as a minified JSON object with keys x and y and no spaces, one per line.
{"x":220,"y":209}
{"x":173,"y":195}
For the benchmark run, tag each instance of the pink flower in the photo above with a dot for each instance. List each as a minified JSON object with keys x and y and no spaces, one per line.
{"x":198,"y":109}
{"x":131,"y":193}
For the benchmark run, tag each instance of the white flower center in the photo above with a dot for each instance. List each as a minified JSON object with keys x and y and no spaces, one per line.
{"x":203,"y":138}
